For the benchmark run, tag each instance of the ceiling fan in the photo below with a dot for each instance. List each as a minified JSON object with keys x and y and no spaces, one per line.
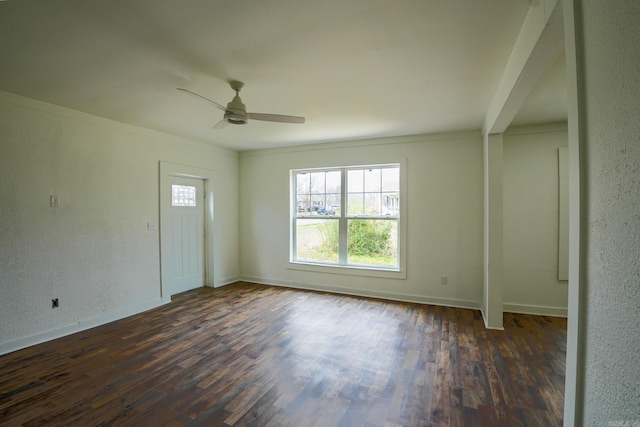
{"x":236,"y":112}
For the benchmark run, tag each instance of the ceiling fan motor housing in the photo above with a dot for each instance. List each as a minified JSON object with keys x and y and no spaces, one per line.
{"x":236,"y":112}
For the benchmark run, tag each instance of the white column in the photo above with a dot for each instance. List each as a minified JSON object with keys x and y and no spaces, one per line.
{"x":492,"y":286}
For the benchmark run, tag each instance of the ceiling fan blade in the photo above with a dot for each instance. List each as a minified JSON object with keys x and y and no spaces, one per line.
{"x":187,"y":91}
{"x":275,"y":118}
{"x":222,"y":123}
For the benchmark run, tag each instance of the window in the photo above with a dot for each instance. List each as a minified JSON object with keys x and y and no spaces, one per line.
{"x":346,"y":216}
{"x":183,"y":195}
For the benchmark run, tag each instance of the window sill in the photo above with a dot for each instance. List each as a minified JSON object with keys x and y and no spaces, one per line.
{"x":385,"y":273}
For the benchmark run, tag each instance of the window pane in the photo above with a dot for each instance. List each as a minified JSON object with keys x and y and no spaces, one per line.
{"x":333,"y":204}
{"x":334,"y":182}
{"x":183,"y":195}
{"x":303,"y":183}
{"x":355,"y":181}
{"x":317,"y":182}
{"x":317,"y":240}
{"x":303,"y":203}
{"x":317,"y":202}
{"x":372,"y":204}
{"x":372,"y":242}
{"x":391,"y":180}
{"x":390,"y":204}
{"x":372,"y":180}
{"x":355,"y":204}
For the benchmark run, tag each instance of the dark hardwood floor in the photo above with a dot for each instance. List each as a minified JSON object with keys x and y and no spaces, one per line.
{"x":253,"y":355}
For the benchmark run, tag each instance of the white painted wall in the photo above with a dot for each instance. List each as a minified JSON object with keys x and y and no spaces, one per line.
{"x":445,"y":199}
{"x":607,"y":39}
{"x":530,"y":222}
{"x":94,"y":252}
{"x":444,"y":218}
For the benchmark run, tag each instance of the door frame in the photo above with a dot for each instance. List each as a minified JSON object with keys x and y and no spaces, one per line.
{"x":167,"y":170}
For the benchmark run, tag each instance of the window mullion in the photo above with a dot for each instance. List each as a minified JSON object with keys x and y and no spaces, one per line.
{"x":294,"y":221}
{"x":342,"y":222}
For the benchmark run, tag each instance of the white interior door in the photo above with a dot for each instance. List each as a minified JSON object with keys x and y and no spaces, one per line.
{"x":184,"y":250}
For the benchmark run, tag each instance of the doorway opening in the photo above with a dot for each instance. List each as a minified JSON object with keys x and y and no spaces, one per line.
{"x":186,"y":221}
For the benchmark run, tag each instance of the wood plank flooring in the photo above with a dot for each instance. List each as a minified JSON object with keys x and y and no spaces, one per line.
{"x":254,"y":355}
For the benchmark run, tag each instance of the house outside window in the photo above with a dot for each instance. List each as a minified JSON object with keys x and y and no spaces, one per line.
{"x":346,"y":217}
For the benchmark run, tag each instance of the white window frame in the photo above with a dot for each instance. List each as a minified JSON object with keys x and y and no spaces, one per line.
{"x":341,"y":267}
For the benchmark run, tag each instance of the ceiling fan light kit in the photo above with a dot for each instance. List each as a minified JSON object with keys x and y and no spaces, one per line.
{"x":235,"y":112}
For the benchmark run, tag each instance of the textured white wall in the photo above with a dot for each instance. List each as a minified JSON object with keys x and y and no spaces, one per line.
{"x":610,"y":44}
{"x":94,"y":252}
{"x":530,"y":262}
{"x":444,"y":202}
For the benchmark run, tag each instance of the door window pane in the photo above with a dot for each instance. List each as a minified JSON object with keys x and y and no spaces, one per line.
{"x":183,"y":195}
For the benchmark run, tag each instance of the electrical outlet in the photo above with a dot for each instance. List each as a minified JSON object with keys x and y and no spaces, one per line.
{"x":54,"y":201}
{"x":54,"y":303}
{"x":443,"y":280}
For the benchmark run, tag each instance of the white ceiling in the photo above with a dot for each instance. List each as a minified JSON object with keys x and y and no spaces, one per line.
{"x":548,"y":101}
{"x":354,"y":68}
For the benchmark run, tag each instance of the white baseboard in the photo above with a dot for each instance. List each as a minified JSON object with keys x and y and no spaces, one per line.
{"x":474,"y":305}
{"x":227,"y":281}
{"x":483,"y":311}
{"x":539,"y":310}
{"x":82,"y":325}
